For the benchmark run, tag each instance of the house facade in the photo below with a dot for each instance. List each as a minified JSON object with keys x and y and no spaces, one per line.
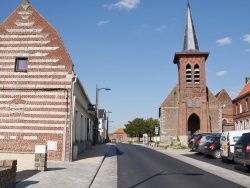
{"x":102,"y":126}
{"x":191,"y":107}
{"x":42,"y":101}
{"x":119,"y":135}
{"x":241,"y":107}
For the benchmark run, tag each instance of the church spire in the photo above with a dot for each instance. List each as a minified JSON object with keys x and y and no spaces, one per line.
{"x":190,"y":41}
{"x":26,"y":4}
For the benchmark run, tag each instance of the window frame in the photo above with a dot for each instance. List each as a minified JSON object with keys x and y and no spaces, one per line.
{"x":22,"y":68}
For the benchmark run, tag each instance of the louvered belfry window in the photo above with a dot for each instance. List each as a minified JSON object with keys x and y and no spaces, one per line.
{"x":188,"y":74}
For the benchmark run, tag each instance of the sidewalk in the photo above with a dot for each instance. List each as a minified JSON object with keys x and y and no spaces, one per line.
{"x":79,"y":173}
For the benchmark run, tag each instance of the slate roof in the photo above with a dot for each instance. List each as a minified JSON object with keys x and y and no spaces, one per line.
{"x":190,"y":42}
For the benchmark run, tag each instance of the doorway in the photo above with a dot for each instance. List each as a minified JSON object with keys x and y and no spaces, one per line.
{"x":193,"y":123}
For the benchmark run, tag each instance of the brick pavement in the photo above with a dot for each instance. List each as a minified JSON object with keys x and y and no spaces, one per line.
{"x":77,"y":174}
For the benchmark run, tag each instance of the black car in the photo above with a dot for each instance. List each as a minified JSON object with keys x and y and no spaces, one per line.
{"x":212,"y":148}
{"x":242,"y":150}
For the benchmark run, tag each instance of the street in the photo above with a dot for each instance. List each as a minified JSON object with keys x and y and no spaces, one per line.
{"x":142,"y":167}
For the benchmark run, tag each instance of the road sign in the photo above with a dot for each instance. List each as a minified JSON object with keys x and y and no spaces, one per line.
{"x":156,"y":130}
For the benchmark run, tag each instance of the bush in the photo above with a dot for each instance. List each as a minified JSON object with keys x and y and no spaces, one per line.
{"x":178,"y":139}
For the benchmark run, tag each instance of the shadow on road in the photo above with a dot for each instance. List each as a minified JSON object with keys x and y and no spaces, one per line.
{"x":162,"y":173}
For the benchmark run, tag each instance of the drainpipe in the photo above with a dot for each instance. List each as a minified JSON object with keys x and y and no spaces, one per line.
{"x":72,"y":115}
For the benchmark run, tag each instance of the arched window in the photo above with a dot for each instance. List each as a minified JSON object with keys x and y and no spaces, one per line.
{"x":189,"y":103}
{"x":188,"y":74}
{"x":196,"y":74}
{"x":197,"y":103}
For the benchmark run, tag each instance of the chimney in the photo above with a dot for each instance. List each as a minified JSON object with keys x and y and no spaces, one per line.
{"x":247,"y":79}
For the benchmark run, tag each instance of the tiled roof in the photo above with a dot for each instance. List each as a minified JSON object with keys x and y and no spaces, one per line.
{"x":246,"y":89}
{"x":119,"y":131}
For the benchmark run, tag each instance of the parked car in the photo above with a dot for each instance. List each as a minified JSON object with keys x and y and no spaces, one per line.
{"x":202,"y":139}
{"x":242,"y":150}
{"x":212,"y":148}
{"x":227,"y":141}
{"x":195,"y":140}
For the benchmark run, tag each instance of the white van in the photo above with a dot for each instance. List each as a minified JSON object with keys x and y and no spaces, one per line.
{"x":227,"y":142}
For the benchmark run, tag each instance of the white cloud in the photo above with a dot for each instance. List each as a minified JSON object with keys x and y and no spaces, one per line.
{"x":102,"y":22}
{"x":123,"y":4}
{"x":224,"y":41}
{"x":246,"y":38}
{"x":161,"y":28}
{"x":221,"y":73}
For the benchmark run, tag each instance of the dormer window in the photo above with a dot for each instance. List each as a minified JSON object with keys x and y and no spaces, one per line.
{"x":188,"y":74}
{"x":196,"y":74}
{"x":21,"y":64}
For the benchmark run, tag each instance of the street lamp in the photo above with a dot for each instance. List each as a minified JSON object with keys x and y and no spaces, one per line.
{"x":95,"y":135}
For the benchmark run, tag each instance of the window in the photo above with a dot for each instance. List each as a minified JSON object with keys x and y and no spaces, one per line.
{"x":247,"y":105}
{"x":240,"y":108}
{"x":189,"y":103}
{"x":196,"y":74}
{"x":21,"y":64}
{"x":188,"y":74}
{"x":197,"y":103}
{"x":81,"y":128}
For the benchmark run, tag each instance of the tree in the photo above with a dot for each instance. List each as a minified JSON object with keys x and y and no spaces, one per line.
{"x":139,"y":126}
{"x":151,"y":124}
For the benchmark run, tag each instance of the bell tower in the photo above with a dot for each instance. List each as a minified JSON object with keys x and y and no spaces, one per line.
{"x":193,"y":99}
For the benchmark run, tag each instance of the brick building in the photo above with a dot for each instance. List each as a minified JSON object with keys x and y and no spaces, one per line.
{"x":241,"y":107}
{"x":191,"y":107}
{"x":41,"y":99}
{"x":119,"y":135}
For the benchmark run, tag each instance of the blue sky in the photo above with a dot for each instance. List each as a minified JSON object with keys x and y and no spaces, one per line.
{"x":129,"y":46}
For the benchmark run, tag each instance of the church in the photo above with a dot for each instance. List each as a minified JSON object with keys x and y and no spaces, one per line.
{"x":191,"y":107}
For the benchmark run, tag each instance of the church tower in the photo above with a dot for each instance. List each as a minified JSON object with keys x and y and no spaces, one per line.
{"x":193,"y":104}
{"x":190,"y":107}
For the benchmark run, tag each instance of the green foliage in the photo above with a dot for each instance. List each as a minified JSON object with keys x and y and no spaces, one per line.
{"x":139,"y":126}
{"x":178,"y":139}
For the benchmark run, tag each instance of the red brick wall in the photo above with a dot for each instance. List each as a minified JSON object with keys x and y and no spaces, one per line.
{"x":34,"y":104}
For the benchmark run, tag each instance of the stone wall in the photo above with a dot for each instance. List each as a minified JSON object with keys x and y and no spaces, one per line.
{"x":41,"y":157}
{"x":8,"y":173}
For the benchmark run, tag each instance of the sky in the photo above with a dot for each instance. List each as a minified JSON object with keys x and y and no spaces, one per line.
{"x":129,"y":46}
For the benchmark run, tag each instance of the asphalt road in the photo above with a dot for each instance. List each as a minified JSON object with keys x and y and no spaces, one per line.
{"x":146,"y":168}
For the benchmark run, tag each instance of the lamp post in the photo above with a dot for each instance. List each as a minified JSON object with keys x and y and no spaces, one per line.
{"x":95,"y":135}
{"x":107,"y":134}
